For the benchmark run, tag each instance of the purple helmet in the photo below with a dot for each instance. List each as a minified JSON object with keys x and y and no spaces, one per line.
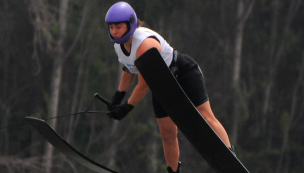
{"x":122,"y":12}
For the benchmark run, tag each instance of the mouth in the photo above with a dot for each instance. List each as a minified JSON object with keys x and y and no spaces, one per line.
{"x":115,"y":37}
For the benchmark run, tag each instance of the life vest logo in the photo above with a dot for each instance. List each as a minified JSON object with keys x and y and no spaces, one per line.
{"x":131,"y":65}
{"x":132,"y":68}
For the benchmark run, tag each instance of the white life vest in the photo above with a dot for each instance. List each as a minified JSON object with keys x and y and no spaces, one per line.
{"x":139,"y":36}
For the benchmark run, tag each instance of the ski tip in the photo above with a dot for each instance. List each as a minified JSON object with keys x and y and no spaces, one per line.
{"x":28,"y":118}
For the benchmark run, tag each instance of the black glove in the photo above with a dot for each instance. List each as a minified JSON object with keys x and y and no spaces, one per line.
{"x":120,"y":111}
{"x":116,"y":99}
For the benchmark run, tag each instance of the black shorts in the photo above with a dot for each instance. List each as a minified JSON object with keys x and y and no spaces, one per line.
{"x":191,"y":79}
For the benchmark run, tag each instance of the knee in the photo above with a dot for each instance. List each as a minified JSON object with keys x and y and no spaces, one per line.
{"x":168,"y":134}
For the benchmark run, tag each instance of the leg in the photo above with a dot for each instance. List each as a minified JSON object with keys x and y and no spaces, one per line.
{"x":168,"y":131}
{"x":206,"y":112}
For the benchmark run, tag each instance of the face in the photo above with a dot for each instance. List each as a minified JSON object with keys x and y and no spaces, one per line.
{"x":118,"y":30}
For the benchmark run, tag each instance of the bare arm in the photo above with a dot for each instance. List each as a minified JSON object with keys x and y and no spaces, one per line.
{"x":126,"y":81}
{"x":142,"y":88}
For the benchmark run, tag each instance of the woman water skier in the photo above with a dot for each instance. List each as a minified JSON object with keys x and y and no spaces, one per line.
{"x":131,"y":41}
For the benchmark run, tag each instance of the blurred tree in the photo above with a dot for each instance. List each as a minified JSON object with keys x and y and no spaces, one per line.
{"x":50,"y":21}
{"x":244,"y":10}
{"x":259,"y":45}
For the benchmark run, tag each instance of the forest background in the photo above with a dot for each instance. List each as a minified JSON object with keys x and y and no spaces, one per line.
{"x":54,"y":55}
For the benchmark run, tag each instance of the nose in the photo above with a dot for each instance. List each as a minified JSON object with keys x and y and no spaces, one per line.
{"x":113,"y":31}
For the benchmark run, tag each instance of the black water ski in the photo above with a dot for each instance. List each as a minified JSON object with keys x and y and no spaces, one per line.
{"x":184,"y":114}
{"x":60,"y":144}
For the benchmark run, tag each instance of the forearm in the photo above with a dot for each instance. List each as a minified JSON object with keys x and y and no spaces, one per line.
{"x":138,"y":94}
{"x":126,"y":81}
{"x":139,"y":91}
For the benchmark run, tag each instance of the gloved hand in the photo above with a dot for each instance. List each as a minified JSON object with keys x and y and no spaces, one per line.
{"x":116,"y":99}
{"x":120,"y":111}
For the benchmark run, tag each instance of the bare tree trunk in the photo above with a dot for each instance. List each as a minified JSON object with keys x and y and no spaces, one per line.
{"x":276,"y":52}
{"x":76,"y":101}
{"x":56,"y":81}
{"x":81,"y":101}
{"x":5,"y":138}
{"x":274,"y":29}
{"x":52,"y":112}
{"x":112,"y":149}
{"x":44,"y":17}
{"x":288,"y":126}
{"x":243,"y":12}
{"x":76,"y":96}
{"x":113,"y":138}
{"x":4,"y":105}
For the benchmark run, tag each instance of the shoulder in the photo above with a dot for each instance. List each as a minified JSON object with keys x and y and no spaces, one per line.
{"x":148,"y":40}
{"x":142,"y":33}
{"x":147,"y":44}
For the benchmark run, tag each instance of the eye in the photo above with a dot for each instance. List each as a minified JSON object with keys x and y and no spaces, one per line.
{"x":118,"y":26}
